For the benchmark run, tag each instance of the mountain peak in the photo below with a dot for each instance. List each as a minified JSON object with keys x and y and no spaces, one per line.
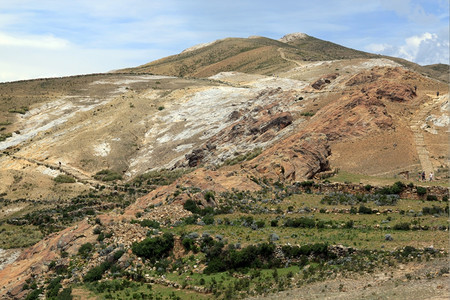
{"x":293,"y":36}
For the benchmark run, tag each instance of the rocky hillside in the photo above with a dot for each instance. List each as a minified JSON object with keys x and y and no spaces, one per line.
{"x":236,"y":119}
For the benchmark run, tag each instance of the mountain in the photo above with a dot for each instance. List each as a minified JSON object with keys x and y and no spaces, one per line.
{"x":212,"y":145}
{"x":255,"y":55}
{"x":260,"y":55}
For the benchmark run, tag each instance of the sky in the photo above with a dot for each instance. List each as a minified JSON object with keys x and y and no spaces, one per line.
{"x":50,"y":38}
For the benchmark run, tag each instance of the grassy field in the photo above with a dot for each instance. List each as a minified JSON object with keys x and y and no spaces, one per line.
{"x":234,"y":251}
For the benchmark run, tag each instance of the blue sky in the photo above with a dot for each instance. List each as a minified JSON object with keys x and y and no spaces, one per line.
{"x":56,"y":38}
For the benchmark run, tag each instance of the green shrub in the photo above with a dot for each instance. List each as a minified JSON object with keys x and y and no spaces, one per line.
{"x":64,"y":179}
{"x":22,"y":110}
{"x":432,"y":198}
{"x":243,"y":157}
{"x":118,"y":254}
{"x":309,"y":183}
{"x":318,"y":250}
{"x":435,"y":210}
{"x":209,"y":196}
{"x":260,"y":224}
{"x":396,"y":188}
{"x":96,"y":273}
{"x":107,"y":175}
{"x":66,"y":294}
{"x":274,"y":223}
{"x":4,"y":136}
{"x":402,"y":226}
{"x":150,"y":223}
{"x":208,"y":220}
{"x":154,"y":248}
{"x":34,"y":295}
{"x":253,"y":256}
{"x":300,"y":223}
{"x":188,"y":243}
{"x":191,"y":206}
{"x":85,"y":250}
{"x":365,"y":210}
{"x":421,"y":190}
{"x":53,"y":287}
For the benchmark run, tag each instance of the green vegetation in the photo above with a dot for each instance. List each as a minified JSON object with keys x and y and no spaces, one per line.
{"x":96,"y":273}
{"x":64,"y":179}
{"x":154,"y":248}
{"x":421,"y":190}
{"x":160,"y":177}
{"x":107,"y":175}
{"x":22,"y":110}
{"x":243,"y":157}
{"x":18,"y":236}
{"x":85,"y":250}
{"x":238,"y":244}
{"x":4,"y":136}
{"x":307,"y":114}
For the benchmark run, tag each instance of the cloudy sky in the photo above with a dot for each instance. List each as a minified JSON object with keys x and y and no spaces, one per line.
{"x":49,"y":38}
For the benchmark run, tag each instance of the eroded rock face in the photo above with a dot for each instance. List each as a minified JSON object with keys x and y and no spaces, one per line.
{"x":252,"y":126}
{"x":297,"y":158}
{"x":323,"y":81}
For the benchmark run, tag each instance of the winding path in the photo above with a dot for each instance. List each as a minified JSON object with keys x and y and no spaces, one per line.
{"x":77,"y":174}
{"x":416,"y":122}
{"x":283,"y":56}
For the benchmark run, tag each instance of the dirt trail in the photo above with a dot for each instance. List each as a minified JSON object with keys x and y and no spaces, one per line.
{"x":283,"y":56}
{"x":416,"y":122}
{"x":68,"y":170}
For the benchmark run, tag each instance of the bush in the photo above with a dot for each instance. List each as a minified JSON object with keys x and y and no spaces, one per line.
{"x":402,"y":226}
{"x":306,"y":183}
{"x":432,"y":198}
{"x":96,"y":273}
{"x":435,"y":210}
{"x":250,"y":257}
{"x":396,"y":188}
{"x":208,"y":220}
{"x":149,"y":223}
{"x":85,"y":250}
{"x":188,"y":243}
{"x":365,"y":210}
{"x":191,"y":206}
{"x":260,"y":224}
{"x":274,"y":223}
{"x":154,"y":248}
{"x":421,"y":190}
{"x":209,"y":196}
{"x":300,"y":223}
{"x":66,"y":294}
{"x":34,"y":295}
{"x":318,"y":249}
{"x":107,"y":175}
{"x":64,"y":179}
{"x":53,"y":287}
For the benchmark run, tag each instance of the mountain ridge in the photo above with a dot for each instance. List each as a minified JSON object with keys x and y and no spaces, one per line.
{"x":207,"y":59}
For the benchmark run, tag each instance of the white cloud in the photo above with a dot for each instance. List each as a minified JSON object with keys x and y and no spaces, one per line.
{"x":413,"y":44}
{"x":33,"y":41}
{"x":424,"y":49}
{"x":378,"y":48}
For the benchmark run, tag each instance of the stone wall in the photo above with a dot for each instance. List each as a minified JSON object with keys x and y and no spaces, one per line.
{"x":408,"y":192}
